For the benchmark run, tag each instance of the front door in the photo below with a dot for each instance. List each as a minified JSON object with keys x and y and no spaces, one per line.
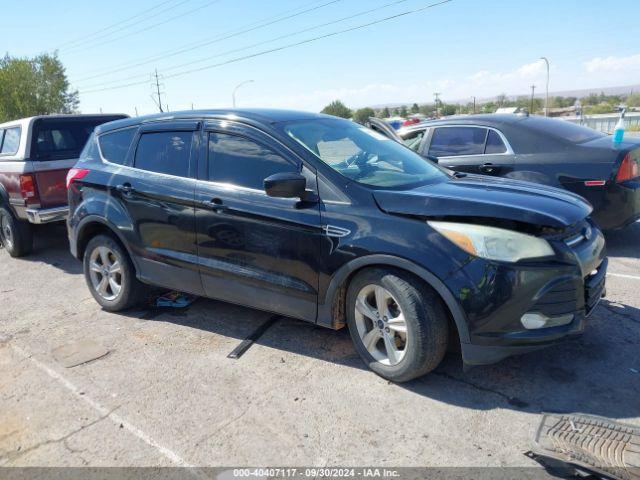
{"x":255,"y":250}
{"x":158,"y":195}
{"x":471,"y":149}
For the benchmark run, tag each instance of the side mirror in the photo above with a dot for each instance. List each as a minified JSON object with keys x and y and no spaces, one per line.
{"x":285,"y":185}
{"x":432,"y":158}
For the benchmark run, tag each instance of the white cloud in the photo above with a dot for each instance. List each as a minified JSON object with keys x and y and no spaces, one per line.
{"x":613,"y":64}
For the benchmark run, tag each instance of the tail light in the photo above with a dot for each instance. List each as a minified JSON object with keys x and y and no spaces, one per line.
{"x":76,"y":174}
{"x":628,"y":169}
{"x":28,"y":189}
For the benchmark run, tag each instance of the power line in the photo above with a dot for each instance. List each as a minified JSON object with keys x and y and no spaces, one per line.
{"x":209,"y":57}
{"x":284,"y":47}
{"x":109,"y":27}
{"x":149,"y":27}
{"x":219,"y":38}
{"x":82,"y":43}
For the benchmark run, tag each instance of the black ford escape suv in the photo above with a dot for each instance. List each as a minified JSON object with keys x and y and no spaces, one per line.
{"x":321,"y":219}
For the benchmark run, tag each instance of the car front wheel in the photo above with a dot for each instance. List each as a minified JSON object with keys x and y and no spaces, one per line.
{"x":397,"y":323}
{"x":110,"y":275}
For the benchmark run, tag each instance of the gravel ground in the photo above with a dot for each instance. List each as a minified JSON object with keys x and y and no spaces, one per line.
{"x":166,"y":394}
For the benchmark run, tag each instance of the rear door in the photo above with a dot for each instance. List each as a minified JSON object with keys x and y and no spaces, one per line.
{"x":255,"y":250}
{"x":158,"y":195}
{"x":471,"y":149}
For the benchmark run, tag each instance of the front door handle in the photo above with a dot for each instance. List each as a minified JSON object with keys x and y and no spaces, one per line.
{"x":125,"y":188}
{"x":215,"y":204}
{"x":489,"y":168}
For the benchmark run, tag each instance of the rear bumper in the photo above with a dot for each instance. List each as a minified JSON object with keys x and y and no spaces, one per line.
{"x":621,"y":206}
{"x":47,"y":215}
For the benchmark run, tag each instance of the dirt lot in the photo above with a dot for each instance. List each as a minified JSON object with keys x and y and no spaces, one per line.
{"x":166,"y":393}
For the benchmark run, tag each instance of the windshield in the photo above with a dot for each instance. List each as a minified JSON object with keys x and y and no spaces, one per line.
{"x":361,"y":154}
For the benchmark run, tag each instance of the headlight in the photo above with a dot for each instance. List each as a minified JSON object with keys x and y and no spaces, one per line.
{"x":493,"y":243}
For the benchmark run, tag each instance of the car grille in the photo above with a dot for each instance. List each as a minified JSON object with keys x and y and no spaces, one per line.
{"x":594,"y":285}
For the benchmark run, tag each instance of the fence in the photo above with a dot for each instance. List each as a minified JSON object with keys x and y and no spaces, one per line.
{"x":606,"y":122}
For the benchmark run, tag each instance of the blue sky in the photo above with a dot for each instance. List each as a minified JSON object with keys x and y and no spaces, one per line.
{"x":461,"y":48}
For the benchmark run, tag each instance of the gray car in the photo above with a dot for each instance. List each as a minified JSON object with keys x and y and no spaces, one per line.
{"x":536,"y":149}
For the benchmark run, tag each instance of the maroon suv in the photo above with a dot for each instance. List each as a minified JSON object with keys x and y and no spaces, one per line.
{"x":35,"y":155}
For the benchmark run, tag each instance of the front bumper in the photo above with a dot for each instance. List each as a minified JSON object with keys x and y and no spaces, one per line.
{"x":495,"y":296}
{"x":47,"y":215}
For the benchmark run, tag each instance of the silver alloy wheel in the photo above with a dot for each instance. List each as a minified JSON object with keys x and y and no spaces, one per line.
{"x":7,"y":233}
{"x":105,"y":272}
{"x":381,"y":324}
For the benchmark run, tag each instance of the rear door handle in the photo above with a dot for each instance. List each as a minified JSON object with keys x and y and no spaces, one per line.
{"x":489,"y":168}
{"x":125,"y":188}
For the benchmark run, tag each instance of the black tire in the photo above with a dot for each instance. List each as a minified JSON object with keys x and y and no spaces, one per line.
{"x":132,"y":291}
{"x":16,"y":235}
{"x":425,"y":317}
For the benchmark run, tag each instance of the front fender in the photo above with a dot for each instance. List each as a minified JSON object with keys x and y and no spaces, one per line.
{"x":325,"y":309}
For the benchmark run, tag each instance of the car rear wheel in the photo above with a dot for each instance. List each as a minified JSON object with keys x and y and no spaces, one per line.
{"x":110,"y":275}
{"x":398,"y":324}
{"x":16,"y":235}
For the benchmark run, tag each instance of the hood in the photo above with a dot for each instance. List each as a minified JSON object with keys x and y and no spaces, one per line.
{"x":481,"y":196}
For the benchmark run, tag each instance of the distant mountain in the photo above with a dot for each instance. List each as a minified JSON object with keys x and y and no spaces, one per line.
{"x":585,"y":92}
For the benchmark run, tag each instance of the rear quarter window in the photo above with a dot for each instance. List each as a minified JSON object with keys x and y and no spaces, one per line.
{"x":114,"y":146}
{"x":561,"y":129}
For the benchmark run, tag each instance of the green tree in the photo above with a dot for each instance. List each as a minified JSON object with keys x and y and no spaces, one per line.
{"x":362,"y":115}
{"x":385,"y":112}
{"x":396,"y":111}
{"x":415,"y":108}
{"x":34,"y":86}
{"x":403,"y":111}
{"x":337,"y":109}
{"x":447,"y":109}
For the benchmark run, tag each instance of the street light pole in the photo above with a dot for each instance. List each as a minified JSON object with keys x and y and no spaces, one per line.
{"x":546,"y":98}
{"x":436,"y":95}
{"x":233,"y":95}
{"x":474,"y":104}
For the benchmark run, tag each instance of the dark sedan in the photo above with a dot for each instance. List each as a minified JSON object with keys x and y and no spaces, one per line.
{"x":537,"y":149}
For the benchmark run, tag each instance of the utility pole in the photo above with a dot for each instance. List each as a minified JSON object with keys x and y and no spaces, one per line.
{"x":546,"y":98}
{"x":474,"y":104}
{"x":435,"y":96}
{"x":533,"y":89}
{"x":136,"y":108}
{"x":159,"y":102}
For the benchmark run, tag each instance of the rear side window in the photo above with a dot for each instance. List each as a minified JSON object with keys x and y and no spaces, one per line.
{"x":164,"y":152}
{"x":62,"y":138}
{"x":495,"y":144}
{"x":11,"y":141}
{"x":456,"y":141}
{"x":115,"y":145}
{"x":243,"y":162}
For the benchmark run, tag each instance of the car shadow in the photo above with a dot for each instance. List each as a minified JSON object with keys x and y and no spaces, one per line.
{"x":597,"y":373}
{"x":51,"y":246}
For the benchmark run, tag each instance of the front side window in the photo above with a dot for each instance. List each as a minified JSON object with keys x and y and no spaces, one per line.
{"x":457,"y":141}
{"x":11,"y":141}
{"x":240,"y":161}
{"x":115,"y":145}
{"x":362,"y":154}
{"x":164,"y":152}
